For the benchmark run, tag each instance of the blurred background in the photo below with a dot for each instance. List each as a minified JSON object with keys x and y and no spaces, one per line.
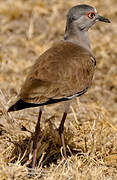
{"x":27,"y":29}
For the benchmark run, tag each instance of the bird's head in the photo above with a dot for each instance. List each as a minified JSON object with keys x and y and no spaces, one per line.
{"x":84,"y":16}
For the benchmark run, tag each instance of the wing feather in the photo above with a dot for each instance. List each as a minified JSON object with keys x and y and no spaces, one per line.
{"x":63,"y":70}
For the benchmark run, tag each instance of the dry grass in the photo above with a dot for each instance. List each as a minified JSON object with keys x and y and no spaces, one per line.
{"x":27,"y":28}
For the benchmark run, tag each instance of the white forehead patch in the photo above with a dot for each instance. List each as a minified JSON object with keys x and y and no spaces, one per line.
{"x":95,"y":10}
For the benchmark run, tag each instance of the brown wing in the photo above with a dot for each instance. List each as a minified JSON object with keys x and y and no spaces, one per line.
{"x":61,"y":71}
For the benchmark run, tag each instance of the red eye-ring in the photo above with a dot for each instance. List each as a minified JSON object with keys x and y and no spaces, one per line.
{"x":91,"y":15}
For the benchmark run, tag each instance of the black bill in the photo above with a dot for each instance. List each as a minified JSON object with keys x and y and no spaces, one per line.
{"x":103,"y":19}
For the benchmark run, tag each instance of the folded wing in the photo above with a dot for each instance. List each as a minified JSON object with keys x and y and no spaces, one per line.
{"x":62,"y":71}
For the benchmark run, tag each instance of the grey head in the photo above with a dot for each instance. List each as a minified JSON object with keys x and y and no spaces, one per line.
{"x":79,"y":19}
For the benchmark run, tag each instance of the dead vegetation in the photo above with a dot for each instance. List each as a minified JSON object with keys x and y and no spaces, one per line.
{"x":27,"y":28}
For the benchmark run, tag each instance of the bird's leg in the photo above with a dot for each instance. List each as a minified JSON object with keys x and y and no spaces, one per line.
{"x":36,"y":138}
{"x":61,"y":129}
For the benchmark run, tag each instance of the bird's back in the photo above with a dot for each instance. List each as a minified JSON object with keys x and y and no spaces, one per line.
{"x":63,"y":70}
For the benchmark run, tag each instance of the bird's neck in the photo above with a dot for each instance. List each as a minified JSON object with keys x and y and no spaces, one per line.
{"x":78,"y":36}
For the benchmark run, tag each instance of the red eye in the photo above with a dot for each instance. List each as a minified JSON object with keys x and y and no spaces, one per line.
{"x":91,"y":15}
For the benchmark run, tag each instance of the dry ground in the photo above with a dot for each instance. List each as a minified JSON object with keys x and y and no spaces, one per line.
{"x":27,"y":28}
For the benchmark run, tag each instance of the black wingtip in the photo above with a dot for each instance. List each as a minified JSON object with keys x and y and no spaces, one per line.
{"x":20,"y":104}
{"x":17,"y":106}
{"x":12,"y":108}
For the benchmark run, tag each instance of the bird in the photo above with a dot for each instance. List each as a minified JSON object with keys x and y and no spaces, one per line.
{"x":63,"y":72}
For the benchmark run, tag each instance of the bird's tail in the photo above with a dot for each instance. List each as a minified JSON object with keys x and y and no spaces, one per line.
{"x":20,"y":104}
